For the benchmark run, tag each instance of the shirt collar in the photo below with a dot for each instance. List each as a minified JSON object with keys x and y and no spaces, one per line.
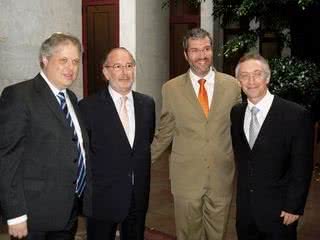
{"x":51,"y":86}
{"x":209,"y":77}
{"x":264,"y":104}
{"x":116,"y":96}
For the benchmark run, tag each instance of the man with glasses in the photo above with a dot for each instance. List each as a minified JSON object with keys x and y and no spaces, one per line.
{"x":42,"y":147}
{"x":120,"y":124}
{"x":272,"y":141}
{"x":195,"y":118}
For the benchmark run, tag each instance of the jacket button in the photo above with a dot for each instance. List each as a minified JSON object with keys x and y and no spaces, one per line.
{"x":74,"y":182}
{"x":251,"y":190}
{"x":74,"y":139}
{"x":75,"y":160}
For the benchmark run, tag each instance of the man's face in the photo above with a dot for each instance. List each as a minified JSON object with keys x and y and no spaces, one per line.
{"x":199,"y":55}
{"x":62,"y":67}
{"x":119,"y":70}
{"x":253,"y":80}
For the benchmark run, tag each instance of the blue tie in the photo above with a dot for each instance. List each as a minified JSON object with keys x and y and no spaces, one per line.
{"x":81,"y":173}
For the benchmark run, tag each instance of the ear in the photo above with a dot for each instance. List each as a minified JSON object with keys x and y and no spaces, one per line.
{"x":185,"y":55}
{"x":45,"y":61}
{"x":268,"y":80}
{"x":106,"y":73}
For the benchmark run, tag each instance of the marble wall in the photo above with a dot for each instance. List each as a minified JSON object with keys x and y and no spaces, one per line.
{"x":24,"y":25}
{"x":152,"y":48}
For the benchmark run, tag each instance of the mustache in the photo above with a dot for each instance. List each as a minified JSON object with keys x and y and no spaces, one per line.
{"x":203,"y":58}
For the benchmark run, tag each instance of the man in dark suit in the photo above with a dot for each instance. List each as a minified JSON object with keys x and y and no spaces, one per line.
{"x":120,"y":124}
{"x":42,"y":147}
{"x":273,"y":146}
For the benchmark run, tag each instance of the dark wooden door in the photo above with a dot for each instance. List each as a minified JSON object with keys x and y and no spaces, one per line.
{"x":183,"y":17}
{"x":101,"y":33}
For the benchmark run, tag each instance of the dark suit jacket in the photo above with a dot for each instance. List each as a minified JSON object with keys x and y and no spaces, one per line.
{"x":37,"y":156}
{"x":112,"y":158}
{"x":274,"y":175}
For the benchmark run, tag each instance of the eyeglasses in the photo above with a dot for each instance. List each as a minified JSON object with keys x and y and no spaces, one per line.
{"x":118,"y":67}
{"x":196,"y":51}
{"x":258,"y":74}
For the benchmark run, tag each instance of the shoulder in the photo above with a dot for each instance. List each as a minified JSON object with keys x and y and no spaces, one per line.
{"x":91,"y":99}
{"x":288,"y":106}
{"x":238,"y":108}
{"x":227,"y":80}
{"x":291,"y":112}
{"x":90,"y":102}
{"x":176,"y":82}
{"x":18,"y":90}
{"x":144,"y":98}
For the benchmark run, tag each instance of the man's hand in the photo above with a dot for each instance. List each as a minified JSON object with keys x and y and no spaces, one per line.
{"x":19,"y":230}
{"x":288,"y":218}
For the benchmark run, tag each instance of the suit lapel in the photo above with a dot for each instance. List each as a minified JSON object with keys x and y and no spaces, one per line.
{"x":191,"y":96}
{"x":270,"y":120}
{"x":111,"y":113}
{"x":74,"y":103}
{"x":219,"y":90}
{"x":46,"y":94}
{"x":138,"y":114}
{"x":241,"y":124}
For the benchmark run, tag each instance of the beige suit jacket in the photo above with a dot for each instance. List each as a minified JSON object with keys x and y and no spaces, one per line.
{"x":201,"y":156}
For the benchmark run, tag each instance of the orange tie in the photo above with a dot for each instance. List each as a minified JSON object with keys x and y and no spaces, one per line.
{"x":203,"y":97}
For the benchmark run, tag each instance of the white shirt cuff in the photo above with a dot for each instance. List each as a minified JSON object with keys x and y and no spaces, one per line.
{"x":17,"y":220}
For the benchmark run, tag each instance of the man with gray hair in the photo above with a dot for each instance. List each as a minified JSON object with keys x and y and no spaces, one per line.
{"x":42,"y":147}
{"x":195,"y":118}
{"x":272,"y":141}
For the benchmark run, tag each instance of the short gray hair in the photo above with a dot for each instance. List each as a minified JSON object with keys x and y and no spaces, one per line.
{"x":195,"y":33}
{"x":56,"y":39}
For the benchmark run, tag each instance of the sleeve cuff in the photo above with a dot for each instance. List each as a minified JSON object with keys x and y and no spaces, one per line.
{"x":17,"y":220}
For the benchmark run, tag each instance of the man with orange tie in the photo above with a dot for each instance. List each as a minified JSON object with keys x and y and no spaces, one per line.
{"x":195,"y":119}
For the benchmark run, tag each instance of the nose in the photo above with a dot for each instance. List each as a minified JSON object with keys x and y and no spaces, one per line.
{"x":202,"y":53}
{"x":69,"y":64}
{"x":124,"y":68}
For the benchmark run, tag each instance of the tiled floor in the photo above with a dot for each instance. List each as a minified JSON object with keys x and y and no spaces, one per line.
{"x":160,"y":215}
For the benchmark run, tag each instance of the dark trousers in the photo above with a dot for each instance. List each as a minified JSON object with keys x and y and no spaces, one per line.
{"x":69,"y":231}
{"x":248,"y":229}
{"x":132,"y":228}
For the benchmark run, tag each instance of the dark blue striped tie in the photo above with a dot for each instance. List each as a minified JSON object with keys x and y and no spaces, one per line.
{"x":81,"y":174}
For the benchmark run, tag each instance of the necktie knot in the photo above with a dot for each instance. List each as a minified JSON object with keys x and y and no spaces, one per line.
{"x":62,"y":98}
{"x":124,"y":99}
{"x":254,"y":110}
{"x":201,"y":82}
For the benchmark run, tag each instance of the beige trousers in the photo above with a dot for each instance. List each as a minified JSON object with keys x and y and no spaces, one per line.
{"x":204,"y":218}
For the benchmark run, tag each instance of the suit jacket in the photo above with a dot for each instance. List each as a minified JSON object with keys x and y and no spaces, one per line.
{"x":275,"y":174}
{"x":201,"y":156}
{"x":37,"y":156}
{"x":113,"y":160}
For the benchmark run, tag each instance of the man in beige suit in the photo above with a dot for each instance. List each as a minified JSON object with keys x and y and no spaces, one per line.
{"x":201,"y":161}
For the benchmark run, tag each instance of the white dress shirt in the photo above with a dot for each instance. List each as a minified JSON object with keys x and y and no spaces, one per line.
{"x":209,"y":84}
{"x":264,"y":106}
{"x":75,"y":121}
{"x":116,"y":97}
